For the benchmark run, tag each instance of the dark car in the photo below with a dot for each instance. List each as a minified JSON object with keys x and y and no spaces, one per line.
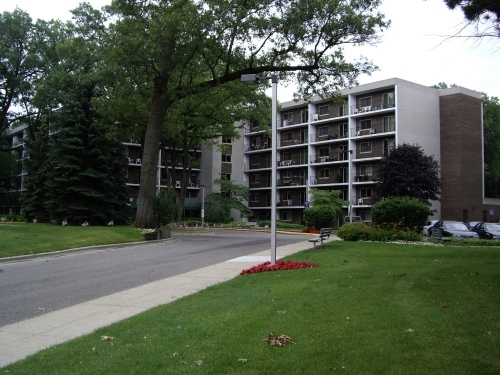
{"x":453,"y":229}
{"x":490,"y":231}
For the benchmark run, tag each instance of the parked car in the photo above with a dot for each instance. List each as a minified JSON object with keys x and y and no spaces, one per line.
{"x":427,"y":227}
{"x":453,"y":229}
{"x":490,"y":231}
{"x":347,"y":219}
{"x":472,"y":224}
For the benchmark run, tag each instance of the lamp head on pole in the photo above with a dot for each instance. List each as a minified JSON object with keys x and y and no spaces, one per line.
{"x":250,"y":79}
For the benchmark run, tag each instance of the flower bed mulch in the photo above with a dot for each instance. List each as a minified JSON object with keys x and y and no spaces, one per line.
{"x":281,"y":265}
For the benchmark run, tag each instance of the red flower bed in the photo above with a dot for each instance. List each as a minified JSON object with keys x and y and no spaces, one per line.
{"x":281,"y":265}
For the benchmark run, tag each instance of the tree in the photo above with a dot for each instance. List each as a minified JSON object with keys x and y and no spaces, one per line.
{"x":84,"y":173}
{"x":407,"y":171}
{"x":37,"y":142}
{"x":232,"y":196}
{"x":192,"y":47}
{"x":480,"y":12}
{"x":491,"y":123}
{"x":326,"y":205}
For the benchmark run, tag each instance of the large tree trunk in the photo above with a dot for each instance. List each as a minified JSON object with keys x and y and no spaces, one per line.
{"x":147,"y":191}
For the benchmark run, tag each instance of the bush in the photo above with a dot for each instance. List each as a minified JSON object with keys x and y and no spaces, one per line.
{"x":354,"y":231}
{"x":401,"y":213}
{"x":390,"y":234}
{"x":319,"y":216}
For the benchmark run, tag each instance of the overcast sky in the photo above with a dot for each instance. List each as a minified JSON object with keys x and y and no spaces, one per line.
{"x":413,"y":48}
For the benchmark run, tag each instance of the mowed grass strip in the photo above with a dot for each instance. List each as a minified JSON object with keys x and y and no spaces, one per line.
{"x":23,"y":239}
{"x":370,"y":308}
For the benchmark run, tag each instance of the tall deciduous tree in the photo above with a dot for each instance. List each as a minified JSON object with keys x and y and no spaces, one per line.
{"x":491,"y":123}
{"x":408,"y":172}
{"x":190,"y":47}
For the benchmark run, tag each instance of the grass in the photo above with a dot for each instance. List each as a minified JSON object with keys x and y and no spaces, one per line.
{"x":23,"y":238}
{"x":369,"y":308}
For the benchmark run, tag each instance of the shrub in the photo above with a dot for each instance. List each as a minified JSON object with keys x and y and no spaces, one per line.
{"x":402,"y":213}
{"x":319,"y":216}
{"x":354,"y":231}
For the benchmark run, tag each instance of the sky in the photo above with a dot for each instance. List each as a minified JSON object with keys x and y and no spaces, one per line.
{"x":414,"y":48}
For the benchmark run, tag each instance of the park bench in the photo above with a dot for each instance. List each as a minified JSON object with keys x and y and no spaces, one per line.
{"x":324,"y":234}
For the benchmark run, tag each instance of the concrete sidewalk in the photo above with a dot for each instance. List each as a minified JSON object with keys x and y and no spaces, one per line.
{"x":21,"y":339}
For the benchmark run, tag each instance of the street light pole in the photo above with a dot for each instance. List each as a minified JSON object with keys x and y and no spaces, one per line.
{"x":202,"y":204}
{"x":254,"y":79}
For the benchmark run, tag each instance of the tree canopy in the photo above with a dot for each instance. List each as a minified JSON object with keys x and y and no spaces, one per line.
{"x":187,"y":48}
{"x":407,"y":171}
{"x":481,"y":13}
{"x":491,"y":123}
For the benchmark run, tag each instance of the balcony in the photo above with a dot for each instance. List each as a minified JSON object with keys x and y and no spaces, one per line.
{"x":376,"y":106}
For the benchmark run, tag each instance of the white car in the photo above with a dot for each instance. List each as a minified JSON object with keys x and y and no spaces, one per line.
{"x":429,"y":224}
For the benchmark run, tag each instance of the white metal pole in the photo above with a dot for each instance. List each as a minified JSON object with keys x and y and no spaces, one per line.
{"x":202,"y":205}
{"x":274,"y":144}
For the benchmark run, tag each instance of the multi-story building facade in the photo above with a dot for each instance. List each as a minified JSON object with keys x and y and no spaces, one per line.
{"x":334,"y":144}
{"x":338,"y":144}
{"x":195,"y":170}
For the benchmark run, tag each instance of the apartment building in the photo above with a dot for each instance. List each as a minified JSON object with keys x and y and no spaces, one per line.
{"x":338,"y":145}
{"x":195,"y":169}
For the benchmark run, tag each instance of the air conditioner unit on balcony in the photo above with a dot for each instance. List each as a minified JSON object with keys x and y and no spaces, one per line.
{"x":178,"y":184}
{"x":315,"y":117}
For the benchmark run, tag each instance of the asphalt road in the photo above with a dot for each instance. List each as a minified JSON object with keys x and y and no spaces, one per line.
{"x":39,"y":286}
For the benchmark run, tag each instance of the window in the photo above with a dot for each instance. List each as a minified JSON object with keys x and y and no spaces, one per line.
{"x":388,"y":100}
{"x":344,"y":109}
{"x":288,"y":116}
{"x":287,"y":175}
{"x":226,"y":175}
{"x":365,"y":102}
{"x":287,"y":137}
{"x":226,"y":158}
{"x":226,"y":140}
{"x":324,"y":110}
{"x":255,"y":142}
{"x":255,"y":178}
{"x":323,"y":131}
{"x":389,"y":124}
{"x":365,"y":193}
{"x":255,"y":160}
{"x":304,"y":115}
{"x":343,"y":130}
{"x":287,"y":195}
{"x":287,"y":155}
{"x":366,"y":170}
{"x":286,"y":216}
{"x":365,"y":124}
{"x":324,"y":173}
{"x":324,"y":151}
{"x":366,"y":147}
{"x":389,"y":145}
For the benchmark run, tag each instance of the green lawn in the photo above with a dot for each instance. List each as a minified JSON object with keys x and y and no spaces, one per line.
{"x":369,"y":308}
{"x":22,"y":238}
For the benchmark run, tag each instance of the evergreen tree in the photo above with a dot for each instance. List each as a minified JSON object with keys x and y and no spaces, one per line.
{"x":86,"y":175}
{"x":37,"y":144}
